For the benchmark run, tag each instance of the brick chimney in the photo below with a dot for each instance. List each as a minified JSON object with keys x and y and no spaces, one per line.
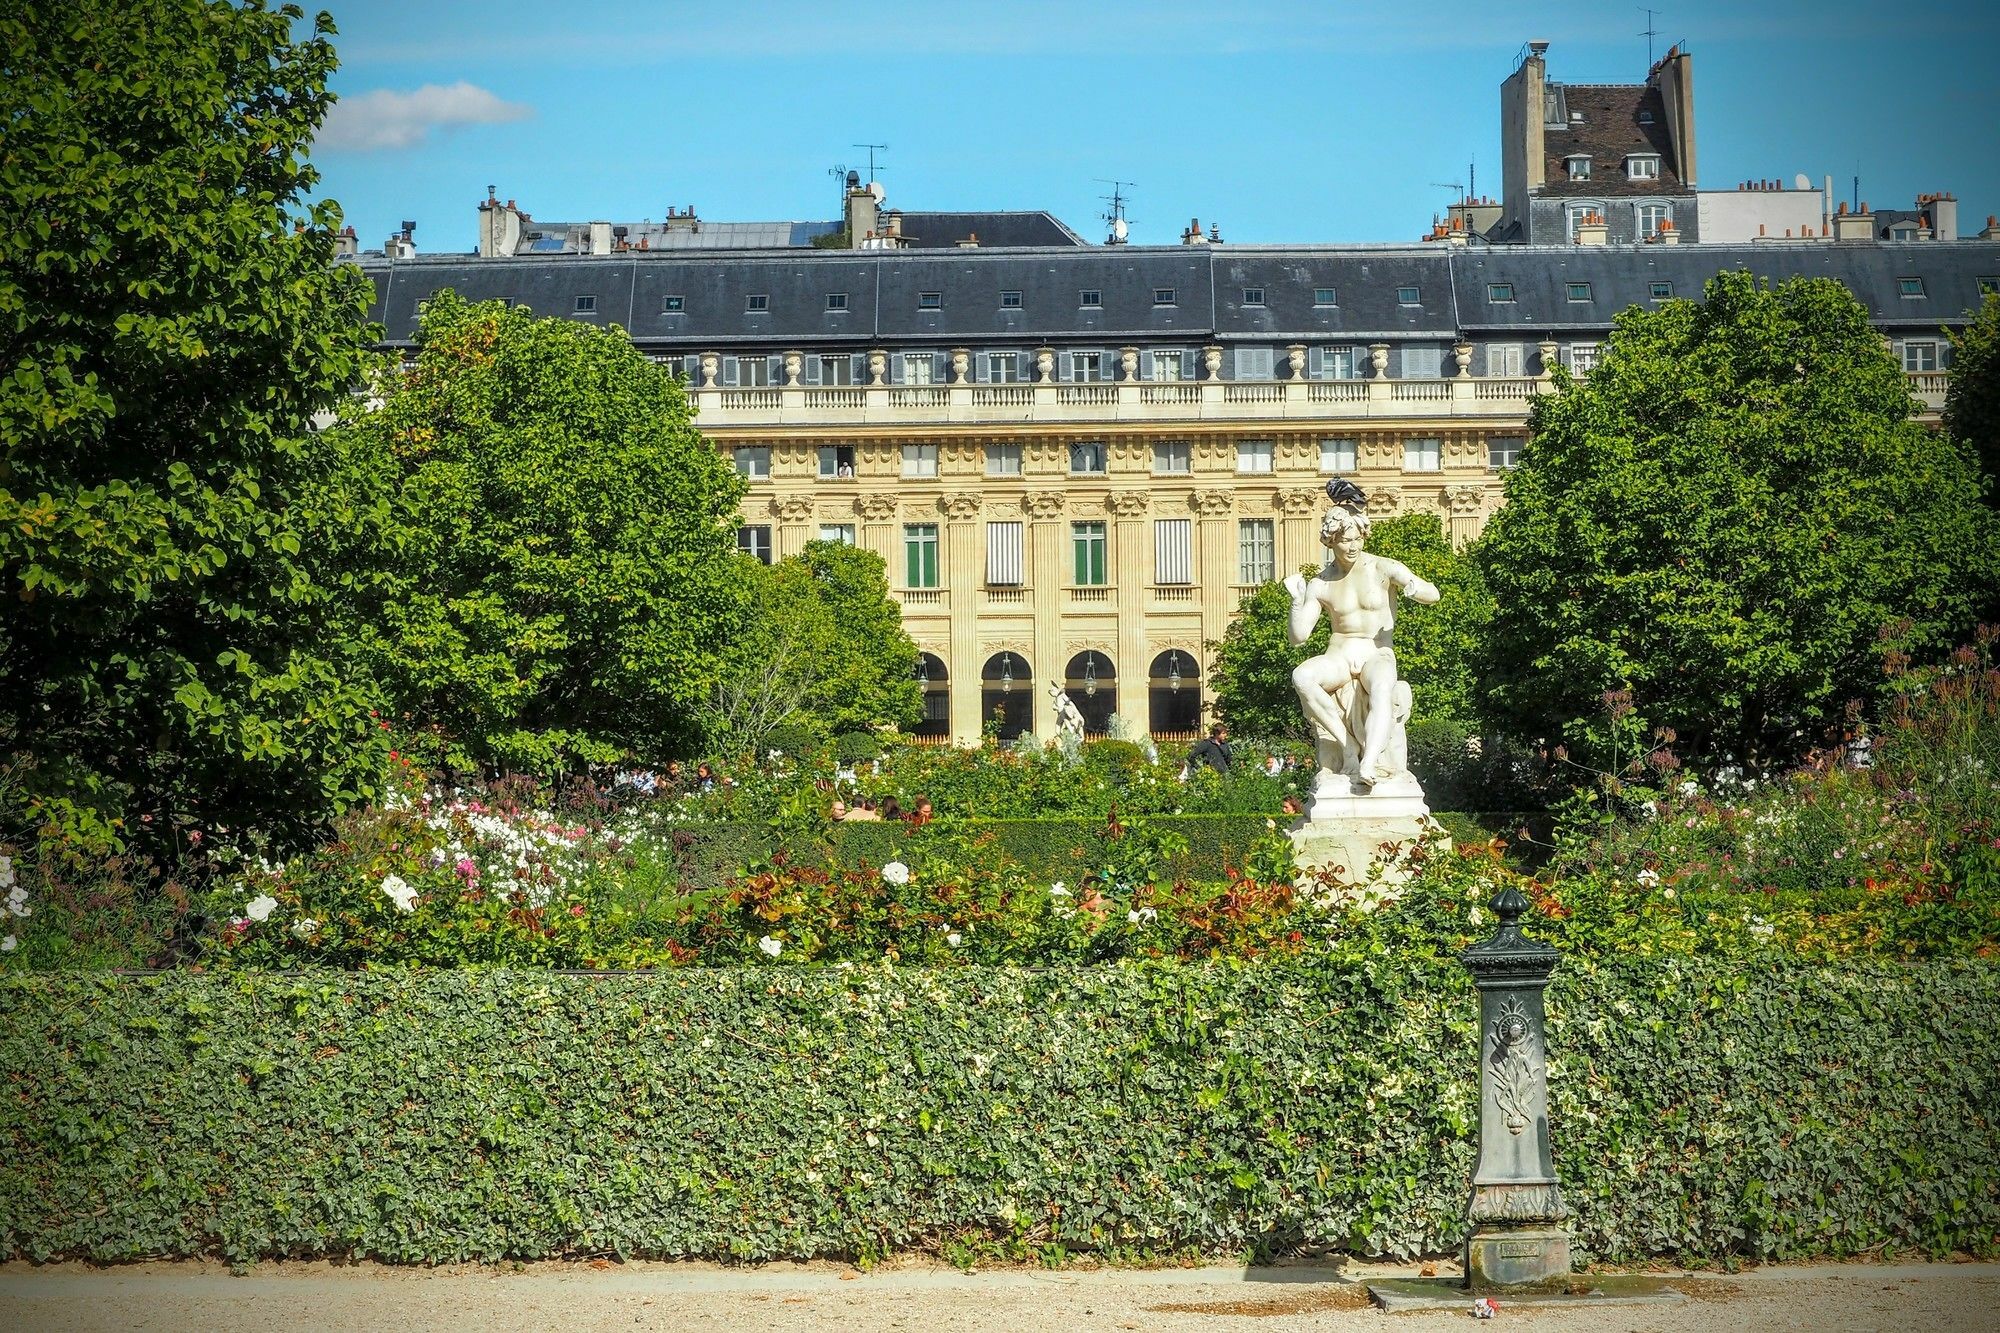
{"x":1943,"y":212}
{"x":1668,"y":233}
{"x":1853,"y":226}
{"x":1992,"y":231}
{"x":1193,"y":234}
{"x":1592,"y":230}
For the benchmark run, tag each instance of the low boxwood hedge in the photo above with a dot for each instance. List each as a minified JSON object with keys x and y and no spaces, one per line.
{"x":1700,"y":1108}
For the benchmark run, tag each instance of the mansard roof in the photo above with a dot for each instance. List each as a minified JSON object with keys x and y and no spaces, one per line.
{"x":1610,"y":130}
{"x":1202,"y":290}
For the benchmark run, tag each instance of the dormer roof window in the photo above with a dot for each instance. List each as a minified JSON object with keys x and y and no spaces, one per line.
{"x":1579,"y":166}
{"x":1642,"y":166}
{"x":1645,"y":116}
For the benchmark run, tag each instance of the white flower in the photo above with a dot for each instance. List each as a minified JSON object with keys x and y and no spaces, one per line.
{"x":17,"y":906}
{"x":1648,"y":877}
{"x":1270,"y":823}
{"x":1667,"y":892}
{"x":1058,"y":890}
{"x":954,"y":939}
{"x":1139,"y":914}
{"x":6,"y":870}
{"x":261,"y":907}
{"x":1476,"y":917}
{"x":1761,"y":927}
{"x":770,"y":946}
{"x":399,"y":890}
{"x":305,"y":927}
{"x":896,"y":873}
{"x":9,"y":944}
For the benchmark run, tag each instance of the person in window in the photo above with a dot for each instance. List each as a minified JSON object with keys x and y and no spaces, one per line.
{"x":1214,"y":751}
{"x":845,"y":470}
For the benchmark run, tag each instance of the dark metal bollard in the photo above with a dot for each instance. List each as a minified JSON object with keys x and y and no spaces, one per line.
{"x":1516,"y":1209}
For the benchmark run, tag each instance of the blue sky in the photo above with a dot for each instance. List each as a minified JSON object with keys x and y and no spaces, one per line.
{"x":1300,"y":122}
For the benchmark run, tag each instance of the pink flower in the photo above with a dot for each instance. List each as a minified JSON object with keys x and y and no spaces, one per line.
{"x":467,"y":869}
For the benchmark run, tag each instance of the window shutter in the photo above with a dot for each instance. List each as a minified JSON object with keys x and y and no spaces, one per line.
{"x":810,"y":371}
{"x":729,"y":370}
{"x":1316,"y":362}
{"x":775,"y":368}
{"x":896,"y":369}
{"x":1004,"y":563}
{"x":1173,"y":553}
{"x":982,"y":368}
{"x":1145,"y":365}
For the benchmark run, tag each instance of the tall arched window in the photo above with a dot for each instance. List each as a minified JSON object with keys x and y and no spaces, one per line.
{"x":935,"y":682}
{"x":1007,"y":695}
{"x":1092,"y":685}
{"x":1174,"y":696}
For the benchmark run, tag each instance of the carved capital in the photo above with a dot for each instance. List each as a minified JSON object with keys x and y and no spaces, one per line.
{"x":1294,"y":503}
{"x":1462,"y":499}
{"x":1042,"y":504}
{"x":959,"y":504}
{"x":1210,"y":503}
{"x":875,"y":507}
{"x":793,"y":508}
{"x":1126,"y":504}
{"x":1382,"y":503}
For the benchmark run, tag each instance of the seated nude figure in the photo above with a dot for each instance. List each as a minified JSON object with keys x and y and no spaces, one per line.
{"x":1350,"y":691}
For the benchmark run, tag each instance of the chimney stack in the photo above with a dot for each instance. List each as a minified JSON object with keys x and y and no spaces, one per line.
{"x":1992,"y":232}
{"x":1193,"y":236}
{"x":1853,"y":226}
{"x":1592,"y":230}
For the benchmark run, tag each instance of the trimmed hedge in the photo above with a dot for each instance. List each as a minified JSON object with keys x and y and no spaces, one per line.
{"x":1699,"y":1108}
{"x":1048,"y":847}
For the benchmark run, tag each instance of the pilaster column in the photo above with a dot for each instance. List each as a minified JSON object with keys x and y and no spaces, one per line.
{"x":1132,"y":576}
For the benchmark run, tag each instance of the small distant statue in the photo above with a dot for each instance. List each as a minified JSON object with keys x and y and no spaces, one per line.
{"x":1069,"y":718}
{"x":1358,"y":708}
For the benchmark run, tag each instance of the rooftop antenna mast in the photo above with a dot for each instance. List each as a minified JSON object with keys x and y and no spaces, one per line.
{"x":1650,"y":33}
{"x":872,"y":148}
{"x":1114,"y":216}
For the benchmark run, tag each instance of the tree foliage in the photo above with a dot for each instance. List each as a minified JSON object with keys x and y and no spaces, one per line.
{"x":1972,"y":398}
{"x":171,"y":318}
{"x":825,"y":652}
{"x":1252,"y":676}
{"x":1730,"y":516}
{"x":539,"y":556}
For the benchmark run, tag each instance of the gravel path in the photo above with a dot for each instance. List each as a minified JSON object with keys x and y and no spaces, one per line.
{"x":1849,"y":1298}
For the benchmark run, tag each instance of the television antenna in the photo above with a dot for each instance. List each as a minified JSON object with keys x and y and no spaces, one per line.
{"x":1650,"y":33}
{"x":1114,"y":215}
{"x":872,"y":149}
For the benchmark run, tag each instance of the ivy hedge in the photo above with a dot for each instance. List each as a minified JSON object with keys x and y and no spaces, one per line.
{"x":1700,"y":1108}
{"x":710,"y":852}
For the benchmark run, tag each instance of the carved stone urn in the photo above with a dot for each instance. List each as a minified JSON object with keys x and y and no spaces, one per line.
{"x":1516,"y":1207}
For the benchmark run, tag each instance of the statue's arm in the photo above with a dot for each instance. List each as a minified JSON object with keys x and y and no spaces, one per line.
{"x":1305,"y":608}
{"x":1414,"y":588}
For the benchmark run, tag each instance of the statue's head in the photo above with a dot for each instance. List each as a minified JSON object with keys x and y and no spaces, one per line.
{"x":1342,"y":524}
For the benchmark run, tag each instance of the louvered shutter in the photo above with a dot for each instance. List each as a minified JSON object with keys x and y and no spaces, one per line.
{"x":1005,"y":565}
{"x":1173,"y":550}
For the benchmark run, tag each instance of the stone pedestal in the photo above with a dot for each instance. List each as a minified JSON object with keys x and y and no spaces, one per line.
{"x":1510,"y":1256}
{"x":1344,"y":834}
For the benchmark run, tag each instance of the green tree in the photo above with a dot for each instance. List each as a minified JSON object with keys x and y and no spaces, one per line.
{"x":1972,"y":396}
{"x":826,"y":652}
{"x":1726,"y":516}
{"x":1252,"y":676}
{"x":539,"y":554}
{"x":171,"y":318}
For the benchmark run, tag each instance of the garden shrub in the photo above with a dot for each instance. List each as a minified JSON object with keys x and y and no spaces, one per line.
{"x":1700,"y":1109}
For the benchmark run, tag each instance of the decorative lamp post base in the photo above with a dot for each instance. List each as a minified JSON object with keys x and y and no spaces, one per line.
{"x":1499,"y":1255}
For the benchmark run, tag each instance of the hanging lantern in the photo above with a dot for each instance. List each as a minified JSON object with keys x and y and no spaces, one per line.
{"x":923,"y":669}
{"x":1174,"y":673}
{"x":1090,"y":675}
{"x":1006,"y":671}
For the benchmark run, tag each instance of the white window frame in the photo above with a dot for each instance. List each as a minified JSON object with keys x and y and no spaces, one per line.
{"x":1424,"y":453}
{"x":1577,"y":166}
{"x":829,"y":464}
{"x":1642,"y":166}
{"x":1253,"y":296}
{"x":920,"y":460}
{"x":1087,"y":365}
{"x":1087,"y":452}
{"x":1581,"y":358}
{"x":1000,"y":368}
{"x":1574,"y":214}
{"x":1166,"y":365}
{"x":1920,"y":356}
{"x":1256,"y":551}
{"x":1503,"y":452}
{"x":918,"y":537}
{"x":757,"y":303}
{"x":753,"y":461}
{"x":836,"y":302}
{"x":754,"y":540}
{"x":1506,"y":361}
{"x":1648,"y":218}
{"x":1003,"y":460}
{"x":1172,"y":458}
{"x":1256,"y":457}
{"x":841,"y":534}
{"x":1338,"y":456}
{"x":1336,"y":362}
{"x":1090,"y":545}
{"x":1332,"y":295}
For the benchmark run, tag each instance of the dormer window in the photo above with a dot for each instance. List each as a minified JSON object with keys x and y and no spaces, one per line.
{"x":1645,"y":117}
{"x":1579,"y":166}
{"x":1642,"y":167}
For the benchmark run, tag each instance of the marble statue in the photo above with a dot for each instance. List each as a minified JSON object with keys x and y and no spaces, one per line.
{"x":1069,"y":718}
{"x":1358,"y":708}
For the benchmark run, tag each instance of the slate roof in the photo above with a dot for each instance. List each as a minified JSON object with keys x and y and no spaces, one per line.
{"x":884,"y":291}
{"x":1609,"y":131}
{"x":946,"y":230}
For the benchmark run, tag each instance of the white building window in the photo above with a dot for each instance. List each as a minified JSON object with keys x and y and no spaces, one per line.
{"x":836,"y":462}
{"x":1573,"y":216}
{"x":1919,"y":356}
{"x":1172,"y":456}
{"x":1003,"y":460}
{"x":916,"y":368}
{"x":1503,"y":453}
{"x":1173,"y":550}
{"x":1256,"y":550}
{"x":1086,"y":456}
{"x":1005,"y":567}
{"x":1423,"y":362}
{"x":920,"y":555}
{"x":753,"y":461}
{"x":1167,"y":364}
{"x":840,"y":533}
{"x":840,"y":369}
{"x":998,"y":368}
{"x":755,"y":542}
{"x":1578,"y":165}
{"x":920,"y":460}
{"x":1505,"y":360}
{"x":1255,"y":363}
{"x":1422,"y":456}
{"x":1582,"y":358}
{"x":1649,"y":217}
{"x":1337,"y":456}
{"x":751,"y":372}
{"x":1642,"y":167}
{"x":1253,"y":456}
{"x":1087,"y":545}
{"x":1332,"y":363}
{"x":1085,"y":365}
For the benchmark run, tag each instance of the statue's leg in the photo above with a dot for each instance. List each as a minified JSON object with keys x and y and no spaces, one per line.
{"x":1378,"y":682}
{"x":1315,"y":681}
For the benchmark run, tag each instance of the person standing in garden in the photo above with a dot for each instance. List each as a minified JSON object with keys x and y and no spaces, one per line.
{"x":1214,"y":751}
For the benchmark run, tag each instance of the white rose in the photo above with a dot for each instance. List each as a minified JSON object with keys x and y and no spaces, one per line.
{"x":1058,"y":890}
{"x":261,"y":907}
{"x":896,"y":873}
{"x":954,"y":939}
{"x":9,"y":944}
{"x":305,"y":927}
{"x":400,"y":892}
{"x":1648,"y":877}
{"x":770,"y":946}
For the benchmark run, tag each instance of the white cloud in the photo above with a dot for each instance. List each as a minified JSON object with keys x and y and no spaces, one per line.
{"x":389,"y":119}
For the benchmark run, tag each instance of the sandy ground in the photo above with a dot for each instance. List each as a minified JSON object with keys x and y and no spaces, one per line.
{"x":185,"y":1296}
